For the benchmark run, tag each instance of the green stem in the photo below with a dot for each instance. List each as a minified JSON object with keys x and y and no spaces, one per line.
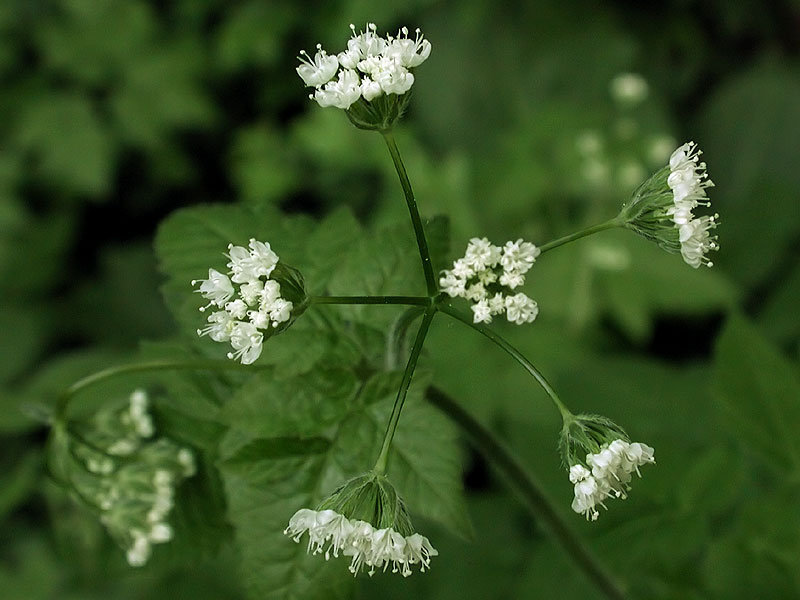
{"x":530,"y":491}
{"x":416,"y":221}
{"x":403,"y":300}
{"x":610,"y":224}
{"x":155,"y":365}
{"x":383,"y":457}
{"x":448,"y":308}
{"x":396,"y":339}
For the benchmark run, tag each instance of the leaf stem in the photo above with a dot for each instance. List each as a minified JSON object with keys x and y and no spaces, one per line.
{"x":416,"y":221}
{"x":405,"y":382}
{"x":449,"y":309}
{"x":155,"y":365}
{"x":610,"y":224}
{"x":524,"y":484}
{"x":402,"y":300}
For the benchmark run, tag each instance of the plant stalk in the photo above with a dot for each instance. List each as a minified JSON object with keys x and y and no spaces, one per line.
{"x":416,"y":221}
{"x":610,"y":224}
{"x":529,"y":490}
{"x":405,"y":382}
{"x":449,"y":309}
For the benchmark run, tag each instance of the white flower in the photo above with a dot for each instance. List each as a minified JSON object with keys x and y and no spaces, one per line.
{"x":520,"y":309}
{"x":485,"y":276}
{"x":481,"y":254}
{"x":370,"y":89}
{"x":160,"y":533}
{"x":340,"y":93}
{"x":370,"y":67}
{"x":629,"y":88}
{"x":246,"y":340}
{"x":217,"y":289}
{"x":481,"y":312}
{"x":451,"y":284}
{"x":519,"y":256}
{"x":331,"y":534}
{"x":366,"y":43}
{"x":410,"y":53}
{"x":393,"y":77}
{"x":252,"y":303}
{"x":280,"y":311}
{"x":388,"y":546}
{"x":512,"y":279}
{"x":319,"y":70}
{"x":419,"y":551}
{"x":688,"y":181}
{"x":611,"y":470}
{"x":221,"y":325}
{"x":696,"y":241}
{"x":237,"y":308}
{"x":186,"y":460}
{"x":139,"y":551}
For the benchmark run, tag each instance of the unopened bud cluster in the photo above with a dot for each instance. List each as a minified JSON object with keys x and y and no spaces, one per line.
{"x":369,"y":78}
{"x":129,"y":476}
{"x":662,"y":208}
{"x":366,"y":520}
{"x":486,"y":276}
{"x":251,"y":301}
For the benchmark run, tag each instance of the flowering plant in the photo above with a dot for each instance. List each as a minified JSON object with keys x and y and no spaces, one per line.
{"x":315,"y":392}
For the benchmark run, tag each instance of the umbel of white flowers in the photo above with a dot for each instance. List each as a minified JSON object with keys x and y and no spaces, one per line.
{"x":662,"y":208}
{"x":601,"y":460}
{"x":366,"y":520}
{"x":128,"y":476}
{"x":254,"y":299}
{"x":486,"y":274}
{"x":370,"y":79}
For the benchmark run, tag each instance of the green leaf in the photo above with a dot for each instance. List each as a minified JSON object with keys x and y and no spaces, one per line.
{"x":192,"y":240}
{"x":293,"y":441}
{"x":757,"y":390}
{"x":71,"y":147}
{"x":329,"y":243}
{"x":383,"y":262}
{"x":171,"y":72}
{"x":19,"y":479}
{"x":437,"y":232}
{"x":630,"y":280}
{"x":261,"y":166}
{"x":755,"y":113}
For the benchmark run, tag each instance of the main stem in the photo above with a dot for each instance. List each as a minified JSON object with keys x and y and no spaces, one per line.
{"x":411,"y":365}
{"x":610,"y":224}
{"x":531,"y":493}
{"x":419,"y":232}
{"x":566,"y":415}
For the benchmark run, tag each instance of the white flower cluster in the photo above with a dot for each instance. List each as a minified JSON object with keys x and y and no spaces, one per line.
{"x":370,"y":67}
{"x":332,"y":533}
{"x":611,"y":470}
{"x":130,"y":479}
{"x":257,"y":306}
{"x":688,"y":181}
{"x":487,"y":273}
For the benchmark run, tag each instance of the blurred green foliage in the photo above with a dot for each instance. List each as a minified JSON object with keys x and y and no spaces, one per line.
{"x":117,"y":113}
